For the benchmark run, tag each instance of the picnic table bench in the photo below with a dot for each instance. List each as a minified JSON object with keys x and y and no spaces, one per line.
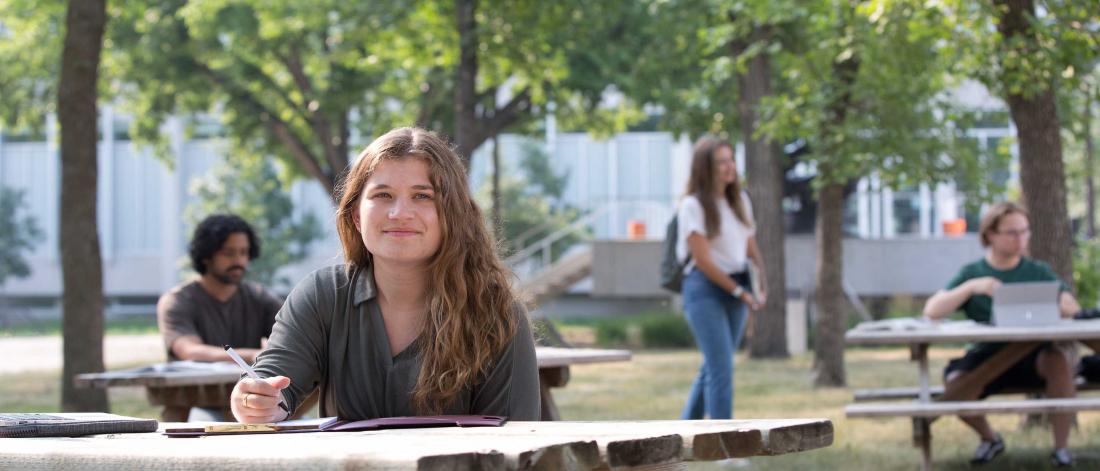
{"x":516,"y":445}
{"x":179,"y":386}
{"x":931,"y":403}
{"x":887,"y":394}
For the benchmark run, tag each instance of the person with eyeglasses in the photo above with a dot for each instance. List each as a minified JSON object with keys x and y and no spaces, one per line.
{"x":1005,"y":232}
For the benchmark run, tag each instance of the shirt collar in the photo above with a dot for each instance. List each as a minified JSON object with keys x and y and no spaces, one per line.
{"x":365,"y":288}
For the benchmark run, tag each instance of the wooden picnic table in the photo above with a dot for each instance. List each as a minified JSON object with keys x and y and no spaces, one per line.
{"x":179,"y":386}
{"x":1020,"y":341}
{"x":516,"y":445}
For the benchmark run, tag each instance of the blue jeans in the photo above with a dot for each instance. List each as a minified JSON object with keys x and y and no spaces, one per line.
{"x":717,"y":320}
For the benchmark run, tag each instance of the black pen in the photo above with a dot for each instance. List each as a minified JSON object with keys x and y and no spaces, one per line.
{"x":250,"y":372}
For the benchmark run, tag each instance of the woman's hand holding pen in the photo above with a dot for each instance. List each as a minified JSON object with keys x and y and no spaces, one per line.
{"x":257,"y":400}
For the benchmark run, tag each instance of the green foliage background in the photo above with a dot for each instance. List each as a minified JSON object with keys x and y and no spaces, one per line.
{"x":252,"y":189}
{"x":19,"y":233}
{"x":531,"y":203}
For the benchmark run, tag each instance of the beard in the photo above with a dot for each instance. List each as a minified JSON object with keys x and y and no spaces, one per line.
{"x":231,"y":276}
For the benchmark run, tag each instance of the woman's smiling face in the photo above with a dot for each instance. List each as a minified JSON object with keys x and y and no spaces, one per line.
{"x":397,"y":215}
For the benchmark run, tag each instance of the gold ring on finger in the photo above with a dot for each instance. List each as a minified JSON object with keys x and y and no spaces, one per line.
{"x":246,"y":398}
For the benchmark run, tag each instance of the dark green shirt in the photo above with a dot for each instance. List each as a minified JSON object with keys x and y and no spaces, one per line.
{"x":980,"y":307}
{"x":330,"y":334}
{"x":242,"y":321}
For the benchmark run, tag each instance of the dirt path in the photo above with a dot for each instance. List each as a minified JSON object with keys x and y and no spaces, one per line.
{"x":44,"y":353}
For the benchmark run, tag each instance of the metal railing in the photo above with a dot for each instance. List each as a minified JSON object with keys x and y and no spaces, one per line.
{"x":531,"y":259}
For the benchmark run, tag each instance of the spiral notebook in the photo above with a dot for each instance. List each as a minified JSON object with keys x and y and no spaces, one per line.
{"x":20,"y":425}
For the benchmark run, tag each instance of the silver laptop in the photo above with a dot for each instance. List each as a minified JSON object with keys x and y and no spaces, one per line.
{"x":35,"y":424}
{"x":1026,"y":304}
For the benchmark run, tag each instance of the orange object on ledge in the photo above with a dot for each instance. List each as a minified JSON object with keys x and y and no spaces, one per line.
{"x":954,"y":227}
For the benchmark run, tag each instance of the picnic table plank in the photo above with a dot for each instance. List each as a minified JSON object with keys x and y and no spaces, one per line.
{"x":516,"y":445}
{"x":555,"y":356}
{"x":707,"y":440}
{"x":620,"y":443}
{"x":945,"y":332}
{"x":174,"y":374}
{"x":937,"y":409}
{"x":391,"y":449}
{"x":879,"y":394}
{"x":180,"y":385}
{"x":163,"y":375}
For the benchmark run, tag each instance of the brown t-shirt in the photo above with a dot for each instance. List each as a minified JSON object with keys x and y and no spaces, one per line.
{"x":239,"y":322}
{"x":330,"y":334}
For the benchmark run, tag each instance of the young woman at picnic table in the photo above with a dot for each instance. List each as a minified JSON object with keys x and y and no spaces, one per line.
{"x":1005,"y":232}
{"x":420,"y":320}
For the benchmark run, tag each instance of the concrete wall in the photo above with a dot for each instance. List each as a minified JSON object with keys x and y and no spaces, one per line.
{"x":883,"y":267}
{"x":626,"y":268}
{"x":872,"y":267}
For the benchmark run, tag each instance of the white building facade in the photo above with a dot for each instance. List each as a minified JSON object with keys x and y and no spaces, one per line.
{"x":629,"y":177}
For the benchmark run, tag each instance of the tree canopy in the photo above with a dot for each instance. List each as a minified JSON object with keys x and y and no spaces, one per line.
{"x":300,"y":82}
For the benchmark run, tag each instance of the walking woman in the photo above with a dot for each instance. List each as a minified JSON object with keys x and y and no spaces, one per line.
{"x":715,"y":228}
{"x":421,"y":320}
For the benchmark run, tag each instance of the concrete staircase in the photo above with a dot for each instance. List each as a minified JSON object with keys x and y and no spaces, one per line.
{"x":556,"y":279}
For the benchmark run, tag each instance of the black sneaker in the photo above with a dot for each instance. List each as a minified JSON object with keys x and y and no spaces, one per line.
{"x":1061,"y":458}
{"x":987,"y":450}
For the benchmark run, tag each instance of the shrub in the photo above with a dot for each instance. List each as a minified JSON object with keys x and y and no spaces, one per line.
{"x":1086,"y":272}
{"x":611,"y":334}
{"x":648,"y":330}
{"x":666,"y":331}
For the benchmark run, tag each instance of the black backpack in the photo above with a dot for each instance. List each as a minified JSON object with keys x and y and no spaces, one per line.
{"x":1090,"y":368}
{"x":672,"y":271}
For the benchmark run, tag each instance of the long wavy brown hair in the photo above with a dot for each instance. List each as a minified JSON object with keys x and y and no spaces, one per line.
{"x":471,"y":306}
{"x":702,"y":184}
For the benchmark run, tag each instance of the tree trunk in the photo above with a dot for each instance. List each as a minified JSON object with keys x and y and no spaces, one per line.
{"x":81,"y":267}
{"x":829,"y":292}
{"x":1042,"y":173}
{"x":765,"y":182}
{"x":466,"y":124}
{"x":1090,"y":157}
{"x":829,"y":289}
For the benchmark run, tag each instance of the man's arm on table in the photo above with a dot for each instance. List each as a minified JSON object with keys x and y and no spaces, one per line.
{"x":190,"y":347}
{"x":947,"y":301}
{"x":1068,"y":304}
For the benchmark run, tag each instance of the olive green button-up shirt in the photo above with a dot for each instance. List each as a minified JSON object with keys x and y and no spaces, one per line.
{"x":330,"y":334}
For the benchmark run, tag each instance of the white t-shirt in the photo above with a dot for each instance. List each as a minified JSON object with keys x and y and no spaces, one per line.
{"x":730,"y":249}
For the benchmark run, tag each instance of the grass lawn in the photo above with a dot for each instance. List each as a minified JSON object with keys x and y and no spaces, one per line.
{"x":655,"y":383}
{"x":126,"y":325}
{"x":653,"y":386}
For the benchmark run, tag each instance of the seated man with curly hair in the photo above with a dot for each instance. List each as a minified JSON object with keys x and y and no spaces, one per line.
{"x":218,"y":308}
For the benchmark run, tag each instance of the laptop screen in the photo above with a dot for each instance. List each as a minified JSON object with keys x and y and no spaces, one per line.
{"x":1026,"y":304}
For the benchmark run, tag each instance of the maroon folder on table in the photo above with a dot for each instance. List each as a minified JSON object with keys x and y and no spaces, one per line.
{"x":333,"y":424}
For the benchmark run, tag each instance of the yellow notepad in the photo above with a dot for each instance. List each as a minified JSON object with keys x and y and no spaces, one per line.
{"x":229,"y":428}
{"x":221,"y":428}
